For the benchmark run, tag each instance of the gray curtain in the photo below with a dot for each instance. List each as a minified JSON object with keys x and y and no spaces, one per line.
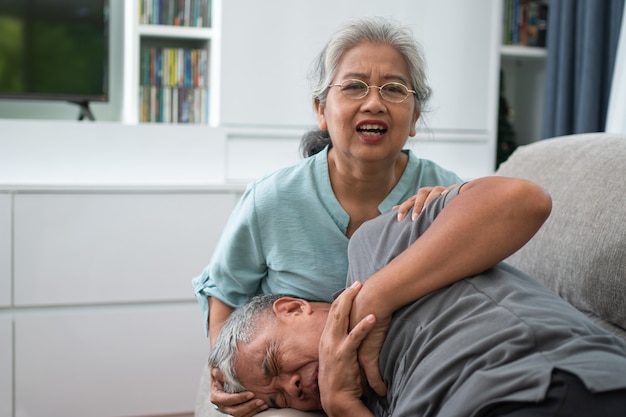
{"x":582,"y":38}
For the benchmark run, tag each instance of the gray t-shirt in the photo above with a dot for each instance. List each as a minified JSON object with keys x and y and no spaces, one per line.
{"x":490,"y":338}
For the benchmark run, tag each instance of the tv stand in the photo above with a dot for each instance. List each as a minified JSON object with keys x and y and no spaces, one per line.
{"x":85,"y":111}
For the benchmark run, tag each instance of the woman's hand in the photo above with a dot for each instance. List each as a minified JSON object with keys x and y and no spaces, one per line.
{"x":420,"y":200}
{"x":241,"y":404}
{"x":339,"y":376}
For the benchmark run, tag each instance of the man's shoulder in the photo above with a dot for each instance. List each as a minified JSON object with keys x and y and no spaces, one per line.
{"x":386,"y":224}
{"x":383,"y":238}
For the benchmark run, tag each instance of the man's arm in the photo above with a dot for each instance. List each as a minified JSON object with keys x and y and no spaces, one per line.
{"x":489,"y":220}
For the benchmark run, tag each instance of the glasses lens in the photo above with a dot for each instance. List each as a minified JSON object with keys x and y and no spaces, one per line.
{"x":354,"y":89}
{"x":394,"y":92}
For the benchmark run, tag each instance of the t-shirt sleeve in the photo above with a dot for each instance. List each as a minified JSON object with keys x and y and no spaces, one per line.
{"x":380,"y":240}
{"x":237,"y":265}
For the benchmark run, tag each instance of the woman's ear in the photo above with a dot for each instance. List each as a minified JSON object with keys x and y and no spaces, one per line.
{"x":321,"y":118}
{"x":291,"y":307}
{"x":413,"y":130}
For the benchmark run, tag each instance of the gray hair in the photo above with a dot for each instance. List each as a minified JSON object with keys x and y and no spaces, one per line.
{"x":376,"y":30}
{"x":240,"y":327}
{"x":365,"y":29}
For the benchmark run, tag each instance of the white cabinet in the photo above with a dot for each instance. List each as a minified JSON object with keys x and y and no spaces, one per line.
{"x":6,"y":323}
{"x":77,"y":248}
{"x":5,"y":249}
{"x":103,"y":321}
{"x":6,"y":366}
{"x":105,"y":362}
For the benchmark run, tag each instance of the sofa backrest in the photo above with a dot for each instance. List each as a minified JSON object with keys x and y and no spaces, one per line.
{"x":580,"y":252}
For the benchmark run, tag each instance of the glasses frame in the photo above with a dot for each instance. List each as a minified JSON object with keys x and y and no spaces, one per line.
{"x":380,"y":89}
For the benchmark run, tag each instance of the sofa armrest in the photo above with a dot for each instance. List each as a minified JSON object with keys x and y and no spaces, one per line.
{"x":580,"y":252}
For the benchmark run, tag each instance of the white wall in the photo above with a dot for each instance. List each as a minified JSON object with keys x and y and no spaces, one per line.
{"x":615,"y":120}
{"x":271,"y":61}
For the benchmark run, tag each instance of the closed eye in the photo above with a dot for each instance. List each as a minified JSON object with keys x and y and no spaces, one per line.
{"x":272,"y":370}
{"x":271,"y":366}
{"x":280,"y":402}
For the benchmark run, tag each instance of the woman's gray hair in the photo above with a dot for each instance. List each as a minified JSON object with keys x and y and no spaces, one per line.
{"x":365,"y":29}
{"x":240,"y":327}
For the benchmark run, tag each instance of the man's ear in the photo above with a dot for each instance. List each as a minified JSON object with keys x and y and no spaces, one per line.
{"x":286,"y":307}
{"x":321,"y":118}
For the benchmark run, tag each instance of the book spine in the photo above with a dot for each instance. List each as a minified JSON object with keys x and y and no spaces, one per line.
{"x":173,"y":82}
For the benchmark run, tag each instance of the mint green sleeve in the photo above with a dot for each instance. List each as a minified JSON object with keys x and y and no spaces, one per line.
{"x":237,"y":265}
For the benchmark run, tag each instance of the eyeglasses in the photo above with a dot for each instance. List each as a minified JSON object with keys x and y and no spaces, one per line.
{"x":357,"y":89}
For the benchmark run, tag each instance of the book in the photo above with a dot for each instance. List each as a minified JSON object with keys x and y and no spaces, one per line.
{"x":524,"y":22}
{"x":173,"y":85}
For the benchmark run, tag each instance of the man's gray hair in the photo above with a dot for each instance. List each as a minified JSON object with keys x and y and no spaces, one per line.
{"x":240,"y":327}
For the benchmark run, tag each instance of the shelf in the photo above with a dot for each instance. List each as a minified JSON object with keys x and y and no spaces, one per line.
{"x":522,"y":52}
{"x":179,"y":32}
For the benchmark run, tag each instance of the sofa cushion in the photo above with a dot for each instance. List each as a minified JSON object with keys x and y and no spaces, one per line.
{"x":580,"y":252}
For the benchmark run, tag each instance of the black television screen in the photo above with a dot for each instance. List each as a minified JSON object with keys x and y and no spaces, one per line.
{"x":54,"y":49}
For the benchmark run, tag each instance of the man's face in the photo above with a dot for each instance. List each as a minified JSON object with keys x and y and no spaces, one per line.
{"x":281,"y":364}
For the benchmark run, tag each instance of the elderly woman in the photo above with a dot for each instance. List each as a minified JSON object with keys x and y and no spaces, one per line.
{"x":290,"y":231}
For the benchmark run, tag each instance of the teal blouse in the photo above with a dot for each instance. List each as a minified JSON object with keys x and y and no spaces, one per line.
{"x":287,"y":234}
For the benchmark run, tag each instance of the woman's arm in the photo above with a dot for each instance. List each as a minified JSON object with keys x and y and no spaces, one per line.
{"x":241,"y":404}
{"x":489,"y":220}
{"x":219,"y":313}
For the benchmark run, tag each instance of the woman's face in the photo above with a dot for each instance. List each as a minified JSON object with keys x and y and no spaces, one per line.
{"x":369,"y":128}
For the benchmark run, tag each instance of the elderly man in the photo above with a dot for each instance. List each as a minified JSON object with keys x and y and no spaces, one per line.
{"x":494,"y":344}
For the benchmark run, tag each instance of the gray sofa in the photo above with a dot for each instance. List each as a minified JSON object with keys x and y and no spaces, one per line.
{"x":580,"y":252}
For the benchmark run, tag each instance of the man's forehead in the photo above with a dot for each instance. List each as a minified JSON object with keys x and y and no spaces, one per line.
{"x":252,"y":361}
{"x":255,"y":372}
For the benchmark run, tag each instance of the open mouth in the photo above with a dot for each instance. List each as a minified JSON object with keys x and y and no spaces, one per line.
{"x":370,"y":129}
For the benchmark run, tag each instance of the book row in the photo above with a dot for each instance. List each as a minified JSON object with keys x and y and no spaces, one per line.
{"x":173,"y":105}
{"x":174,"y":67}
{"x":195,"y":13}
{"x":524,"y":22}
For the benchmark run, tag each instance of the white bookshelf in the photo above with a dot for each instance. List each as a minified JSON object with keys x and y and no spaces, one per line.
{"x":523,"y":68}
{"x":519,"y":52}
{"x":142,"y":34}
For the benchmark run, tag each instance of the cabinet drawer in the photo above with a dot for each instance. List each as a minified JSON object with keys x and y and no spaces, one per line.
{"x":5,"y":250}
{"x":6,"y":367}
{"x":78,"y":248}
{"x":125,"y":361}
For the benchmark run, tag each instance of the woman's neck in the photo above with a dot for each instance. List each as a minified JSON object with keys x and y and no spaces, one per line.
{"x":365,"y":180}
{"x":361,"y":187}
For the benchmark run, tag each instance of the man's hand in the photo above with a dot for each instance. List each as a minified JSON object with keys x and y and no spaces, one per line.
{"x":241,"y":404}
{"x":424,"y":196}
{"x":369,"y":351}
{"x":339,"y":376}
